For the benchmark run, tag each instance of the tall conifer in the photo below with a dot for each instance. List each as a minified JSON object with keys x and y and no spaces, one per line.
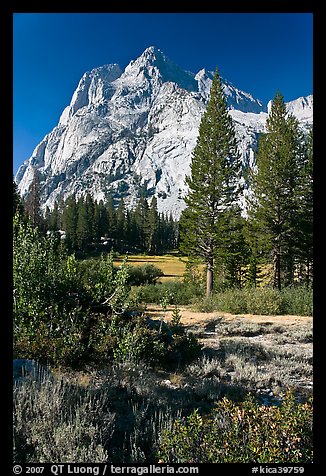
{"x":276,"y":185}
{"x":214,"y":181}
{"x":32,"y":202}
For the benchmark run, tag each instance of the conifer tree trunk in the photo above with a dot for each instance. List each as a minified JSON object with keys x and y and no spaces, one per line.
{"x":277,"y":268}
{"x":209,"y":277}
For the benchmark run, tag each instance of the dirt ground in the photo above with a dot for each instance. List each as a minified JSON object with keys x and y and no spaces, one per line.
{"x":193,"y":318}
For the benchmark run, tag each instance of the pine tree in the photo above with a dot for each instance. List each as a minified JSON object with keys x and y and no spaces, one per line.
{"x":152,"y":228}
{"x":91,"y":221}
{"x":214,"y":181}
{"x":83,"y":226}
{"x":111,"y":218}
{"x":100,"y":220}
{"x":304,"y":241}
{"x":18,"y":206}
{"x":276,"y":182}
{"x":141,"y":219}
{"x":69,"y":222}
{"x":234,"y":252}
{"x":251,"y":238}
{"x":121,"y":221}
{"x":32,"y":202}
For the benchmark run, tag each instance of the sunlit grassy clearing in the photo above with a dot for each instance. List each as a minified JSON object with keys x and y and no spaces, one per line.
{"x":172,"y":266}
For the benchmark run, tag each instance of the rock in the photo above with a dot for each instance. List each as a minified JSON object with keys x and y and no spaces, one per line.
{"x":137,"y":128}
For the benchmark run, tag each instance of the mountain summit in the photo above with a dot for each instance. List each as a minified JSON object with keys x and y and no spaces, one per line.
{"x":131,"y":133}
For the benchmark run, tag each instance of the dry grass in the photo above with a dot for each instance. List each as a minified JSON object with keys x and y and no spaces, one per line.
{"x":117,"y":414}
{"x":172,"y":266}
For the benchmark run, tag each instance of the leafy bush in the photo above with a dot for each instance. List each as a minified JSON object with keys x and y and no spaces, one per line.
{"x":44,"y":279}
{"x":242,"y":433}
{"x":52,"y":346}
{"x":108,"y":285}
{"x":265,"y":301}
{"x":298,"y":301}
{"x":154,"y":342}
{"x":142,"y":275}
{"x":140,"y":344}
{"x":54,"y":305}
{"x":181,"y":293}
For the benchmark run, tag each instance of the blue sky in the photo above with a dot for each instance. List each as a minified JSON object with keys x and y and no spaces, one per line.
{"x":259,"y":53}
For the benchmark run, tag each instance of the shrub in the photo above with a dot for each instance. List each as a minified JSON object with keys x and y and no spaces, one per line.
{"x":265,"y":301}
{"x":139,"y":343}
{"x":108,"y":285}
{"x":142,"y":275}
{"x":298,"y":301}
{"x":55,"y":422}
{"x":154,"y":342}
{"x":44,"y":278}
{"x":242,"y":433}
{"x":180,"y":293}
{"x":55,"y":316}
{"x":65,"y":348}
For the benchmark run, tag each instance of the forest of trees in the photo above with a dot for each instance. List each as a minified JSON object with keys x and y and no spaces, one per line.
{"x":276,"y":231}
{"x":90,"y":226}
{"x":87,"y":317}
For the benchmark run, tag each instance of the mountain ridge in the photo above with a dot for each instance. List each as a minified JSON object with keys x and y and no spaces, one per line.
{"x":131,"y":132}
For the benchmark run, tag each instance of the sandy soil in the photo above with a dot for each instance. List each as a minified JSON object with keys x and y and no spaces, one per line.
{"x":193,"y":318}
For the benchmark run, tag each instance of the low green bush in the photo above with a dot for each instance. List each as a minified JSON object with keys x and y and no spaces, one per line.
{"x":298,"y":301}
{"x":242,"y":433}
{"x":137,"y":342}
{"x":180,"y":293}
{"x":265,"y":301}
{"x":142,"y":275}
{"x":48,"y":347}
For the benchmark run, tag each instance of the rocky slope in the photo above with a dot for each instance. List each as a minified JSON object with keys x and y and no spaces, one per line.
{"x":132,"y":132}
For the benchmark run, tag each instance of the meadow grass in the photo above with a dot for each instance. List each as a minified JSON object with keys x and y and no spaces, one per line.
{"x":173,"y":266}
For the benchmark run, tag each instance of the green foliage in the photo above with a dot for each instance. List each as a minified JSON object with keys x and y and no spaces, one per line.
{"x":214,"y":182}
{"x":138,"y":343}
{"x":62,"y":345}
{"x":107,"y":284}
{"x":242,"y":433}
{"x":89,"y":224}
{"x":296,"y":301}
{"x":142,"y":275}
{"x":65,"y":315}
{"x":179,"y":292}
{"x":33,"y":201}
{"x":53,"y":317}
{"x":43,"y":278}
{"x":281,"y":186}
{"x":175,"y":319}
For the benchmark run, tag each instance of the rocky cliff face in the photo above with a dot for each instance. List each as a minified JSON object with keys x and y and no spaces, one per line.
{"x":131,"y":133}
